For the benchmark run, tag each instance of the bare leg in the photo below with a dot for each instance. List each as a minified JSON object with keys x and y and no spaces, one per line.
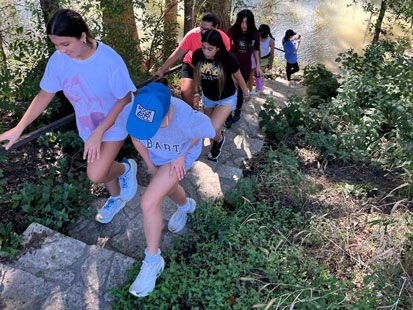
{"x":251,"y":79}
{"x":218,"y":115}
{"x":187,"y":91}
{"x":160,"y":186}
{"x":106,"y":169}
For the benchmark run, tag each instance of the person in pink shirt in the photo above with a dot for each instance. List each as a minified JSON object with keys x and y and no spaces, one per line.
{"x":190,"y":43}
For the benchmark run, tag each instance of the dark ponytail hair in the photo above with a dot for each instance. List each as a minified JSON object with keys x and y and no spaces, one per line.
{"x":265,"y":31}
{"x":288,"y":34}
{"x":251,"y":29}
{"x":68,"y":23}
{"x":214,"y":38}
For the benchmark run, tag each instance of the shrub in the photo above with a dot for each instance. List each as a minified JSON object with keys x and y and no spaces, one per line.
{"x":321,"y":84}
{"x":280,"y":123}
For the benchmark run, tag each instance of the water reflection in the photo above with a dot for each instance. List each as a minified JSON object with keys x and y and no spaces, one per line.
{"x":327,"y":27}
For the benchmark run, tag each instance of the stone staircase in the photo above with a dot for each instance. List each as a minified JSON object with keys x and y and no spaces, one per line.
{"x":74,"y":272}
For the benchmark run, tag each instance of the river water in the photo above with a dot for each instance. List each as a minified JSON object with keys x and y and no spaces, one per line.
{"x":327,"y":27}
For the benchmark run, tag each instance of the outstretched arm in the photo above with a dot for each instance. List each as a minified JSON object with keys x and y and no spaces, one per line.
{"x":197,"y":94}
{"x":240,"y":80}
{"x":178,"y":53}
{"x":38,"y":105}
{"x":257,"y":61}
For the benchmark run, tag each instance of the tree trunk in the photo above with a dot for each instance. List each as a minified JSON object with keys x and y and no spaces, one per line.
{"x":49,"y":7}
{"x":119,"y":23}
{"x":188,"y":15}
{"x":222,"y":8}
{"x":170,"y":28}
{"x":121,"y":33}
{"x":377,"y":28}
{"x":3,"y":64}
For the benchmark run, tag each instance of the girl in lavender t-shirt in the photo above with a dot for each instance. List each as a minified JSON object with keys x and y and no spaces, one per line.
{"x":96,"y":81}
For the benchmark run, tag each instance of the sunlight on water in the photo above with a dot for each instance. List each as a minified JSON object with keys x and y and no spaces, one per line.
{"x":327,"y":28}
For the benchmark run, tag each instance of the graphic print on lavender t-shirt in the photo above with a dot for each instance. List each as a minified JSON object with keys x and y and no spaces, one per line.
{"x":84,"y":101}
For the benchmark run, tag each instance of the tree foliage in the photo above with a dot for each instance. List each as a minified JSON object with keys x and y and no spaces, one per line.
{"x":387,"y":14}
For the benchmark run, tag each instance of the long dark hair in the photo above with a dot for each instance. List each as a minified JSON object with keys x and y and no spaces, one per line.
{"x":68,"y":23}
{"x":265,"y":31}
{"x":214,"y":38}
{"x":251,"y":29}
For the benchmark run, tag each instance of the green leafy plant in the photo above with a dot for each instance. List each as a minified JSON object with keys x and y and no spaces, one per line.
{"x":9,"y":241}
{"x":68,"y":141}
{"x":59,"y":197}
{"x":321,"y":84}
{"x":279,"y":123}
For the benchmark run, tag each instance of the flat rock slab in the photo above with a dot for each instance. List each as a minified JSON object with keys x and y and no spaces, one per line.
{"x":58,"y":272}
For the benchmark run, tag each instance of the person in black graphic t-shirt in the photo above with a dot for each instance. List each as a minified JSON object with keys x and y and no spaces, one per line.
{"x":214,"y":68}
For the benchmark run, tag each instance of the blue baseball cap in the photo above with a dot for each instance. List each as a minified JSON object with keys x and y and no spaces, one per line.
{"x":148,"y":111}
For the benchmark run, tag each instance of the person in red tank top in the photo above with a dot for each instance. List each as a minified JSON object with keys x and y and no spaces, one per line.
{"x":189,"y":44}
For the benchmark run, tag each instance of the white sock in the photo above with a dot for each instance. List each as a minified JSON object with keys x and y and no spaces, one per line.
{"x":185,"y":208}
{"x":127,"y":168}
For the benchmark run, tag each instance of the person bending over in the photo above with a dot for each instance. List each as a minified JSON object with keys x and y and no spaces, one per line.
{"x":168,"y":134}
{"x":95,"y":80}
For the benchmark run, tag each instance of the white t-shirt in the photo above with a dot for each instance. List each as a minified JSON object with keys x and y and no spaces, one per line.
{"x":265,"y":47}
{"x":92,"y":86}
{"x":172,"y":141}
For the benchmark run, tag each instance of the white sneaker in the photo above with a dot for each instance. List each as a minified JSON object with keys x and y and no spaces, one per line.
{"x":146,"y":279}
{"x":178,"y":219}
{"x":128,"y":183}
{"x":109,"y":210}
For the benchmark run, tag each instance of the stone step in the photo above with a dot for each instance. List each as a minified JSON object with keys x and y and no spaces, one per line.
{"x":125,"y":233}
{"x":58,"y":272}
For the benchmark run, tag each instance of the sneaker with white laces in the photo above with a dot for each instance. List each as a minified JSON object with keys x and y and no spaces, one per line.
{"x":109,"y":210}
{"x":146,"y":279}
{"x":178,"y":219}
{"x":216,"y":149}
{"x":127,"y":182}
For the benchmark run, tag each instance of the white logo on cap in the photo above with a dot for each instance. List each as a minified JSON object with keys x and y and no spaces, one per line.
{"x":144,"y":114}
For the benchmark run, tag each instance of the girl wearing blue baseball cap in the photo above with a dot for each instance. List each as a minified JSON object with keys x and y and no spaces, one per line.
{"x":95,"y":80}
{"x":214,"y":70}
{"x":168,"y":134}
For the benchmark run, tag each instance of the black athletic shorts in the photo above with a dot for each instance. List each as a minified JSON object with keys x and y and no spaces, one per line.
{"x":187,"y":71}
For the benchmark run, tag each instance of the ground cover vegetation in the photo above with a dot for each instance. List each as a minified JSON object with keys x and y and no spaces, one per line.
{"x":322,"y":218}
